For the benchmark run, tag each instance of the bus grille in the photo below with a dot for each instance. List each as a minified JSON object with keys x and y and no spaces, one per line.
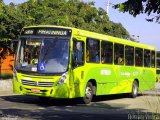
{"x":34,"y":83}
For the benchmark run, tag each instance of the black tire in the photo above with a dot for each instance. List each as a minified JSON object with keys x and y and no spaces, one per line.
{"x":134,"y":92}
{"x":88,"y":93}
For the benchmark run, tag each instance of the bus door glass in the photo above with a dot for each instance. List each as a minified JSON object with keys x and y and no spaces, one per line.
{"x":77,"y":70}
{"x":78,"y":53}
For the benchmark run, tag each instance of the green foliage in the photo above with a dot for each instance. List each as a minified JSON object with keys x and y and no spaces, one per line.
{"x":136,"y":7}
{"x":71,"y":13}
{"x":6,"y":76}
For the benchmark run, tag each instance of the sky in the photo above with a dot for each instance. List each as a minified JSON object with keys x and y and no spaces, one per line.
{"x":148,"y":32}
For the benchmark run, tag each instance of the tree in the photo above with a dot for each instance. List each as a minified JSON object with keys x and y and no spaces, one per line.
{"x":71,"y":13}
{"x":136,"y":7}
{"x":11,"y":21}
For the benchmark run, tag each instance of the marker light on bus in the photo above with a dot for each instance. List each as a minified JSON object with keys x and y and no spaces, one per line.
{"x":63,"y":79}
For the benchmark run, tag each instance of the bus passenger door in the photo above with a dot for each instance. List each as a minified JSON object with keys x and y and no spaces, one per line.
{"x":77,"y":70}
{"x":148,"y":74}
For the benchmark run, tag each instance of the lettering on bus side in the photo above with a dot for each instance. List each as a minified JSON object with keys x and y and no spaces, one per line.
{"x":105,"y":72}
{"x":125,"y":74}
{"x":135,"y":73}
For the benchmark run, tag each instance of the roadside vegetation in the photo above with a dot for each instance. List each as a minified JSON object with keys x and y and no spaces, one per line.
{"x":72,"y":13}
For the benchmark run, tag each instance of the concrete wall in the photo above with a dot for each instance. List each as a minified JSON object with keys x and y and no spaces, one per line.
{"x":6,"y":87}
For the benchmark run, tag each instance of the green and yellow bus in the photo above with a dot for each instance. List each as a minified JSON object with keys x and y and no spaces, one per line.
{"x":65,"y":62}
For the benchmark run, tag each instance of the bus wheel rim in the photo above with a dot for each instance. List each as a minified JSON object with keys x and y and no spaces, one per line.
{"x":88,"y":92}
{"x":134,"y":90}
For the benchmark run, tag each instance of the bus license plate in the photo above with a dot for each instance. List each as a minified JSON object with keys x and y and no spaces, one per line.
{"x":35,"y":90}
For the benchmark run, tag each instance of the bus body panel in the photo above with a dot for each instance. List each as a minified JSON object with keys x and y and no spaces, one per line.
{"x":148,"y":79}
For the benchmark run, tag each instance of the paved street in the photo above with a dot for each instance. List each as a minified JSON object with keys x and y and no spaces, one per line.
{"x":19,"y":107}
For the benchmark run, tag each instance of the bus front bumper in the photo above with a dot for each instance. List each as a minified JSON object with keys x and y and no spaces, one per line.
{"x":56,"y":91}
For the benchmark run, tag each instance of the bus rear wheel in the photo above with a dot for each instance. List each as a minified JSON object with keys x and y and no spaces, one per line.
{"x":88,"y":93}
{"x":134,"y":92}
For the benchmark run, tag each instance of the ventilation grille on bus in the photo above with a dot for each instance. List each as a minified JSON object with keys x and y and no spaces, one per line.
{"x":34,"y":83}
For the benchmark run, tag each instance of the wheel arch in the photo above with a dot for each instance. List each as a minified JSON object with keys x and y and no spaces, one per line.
{"x":136,"y":81}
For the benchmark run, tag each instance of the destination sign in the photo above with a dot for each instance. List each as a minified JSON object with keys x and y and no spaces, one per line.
{"x":52,"y":32}
{"x":33,"y":43}
{"x":46,"y":31}
{"x":28,"y":32}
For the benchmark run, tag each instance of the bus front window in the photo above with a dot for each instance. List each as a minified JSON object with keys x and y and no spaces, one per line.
{"x":43,"y":55}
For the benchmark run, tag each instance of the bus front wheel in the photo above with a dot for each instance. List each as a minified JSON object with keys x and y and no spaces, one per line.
{"x":88,"y":93}
{"x":134,"y":92}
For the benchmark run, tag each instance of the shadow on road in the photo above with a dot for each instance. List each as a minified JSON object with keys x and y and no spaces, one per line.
{"x":18,"y":114}
{"x":59,"y":109}
{"x":71,"y":114}
{"x":70,"y":102}
{"x":69,"y":109}
{"x":59,"y":102}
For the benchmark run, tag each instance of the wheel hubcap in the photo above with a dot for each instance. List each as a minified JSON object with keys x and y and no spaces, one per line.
{"x":88,"y":92}
{"x":135,"y":90}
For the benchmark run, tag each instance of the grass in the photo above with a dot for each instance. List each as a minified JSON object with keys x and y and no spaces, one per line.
{"x":6,"y":76}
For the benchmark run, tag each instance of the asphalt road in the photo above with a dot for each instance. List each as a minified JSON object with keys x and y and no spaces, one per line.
{"x":110,"y":107}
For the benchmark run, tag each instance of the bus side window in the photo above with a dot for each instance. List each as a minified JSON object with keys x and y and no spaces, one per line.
{"x":93,"y":51}
{"x":138,"y":57}
{"x":129,"y":53}
{"x":78,"y":53}
{"x":119,"y":54}
{"x":147,"y":58}
{"x":158,"y":59}
{"x":107,"y":52}
{"x":152,"y":59}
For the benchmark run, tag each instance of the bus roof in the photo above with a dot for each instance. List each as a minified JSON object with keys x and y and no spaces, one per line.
{"x":98,"y":36}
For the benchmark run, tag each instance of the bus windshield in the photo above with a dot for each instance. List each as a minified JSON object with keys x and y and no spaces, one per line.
{"x":43,"y":55}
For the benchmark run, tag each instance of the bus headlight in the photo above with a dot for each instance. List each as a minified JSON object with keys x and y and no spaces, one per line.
{"x":63,"y":79}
